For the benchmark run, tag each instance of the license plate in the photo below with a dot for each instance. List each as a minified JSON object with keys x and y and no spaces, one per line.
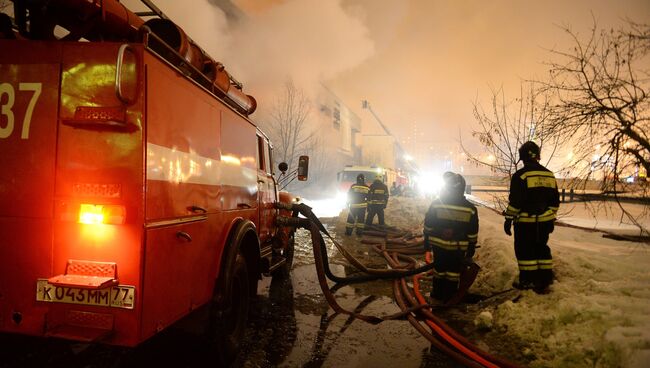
{"x":121,"y":296}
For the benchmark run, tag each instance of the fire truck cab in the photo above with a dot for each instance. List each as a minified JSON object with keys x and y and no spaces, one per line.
{"x":135,"y":188}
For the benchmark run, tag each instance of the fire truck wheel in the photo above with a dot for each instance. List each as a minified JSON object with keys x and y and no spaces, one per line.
{"x":229,"y":320}
{"x":288,"y":255}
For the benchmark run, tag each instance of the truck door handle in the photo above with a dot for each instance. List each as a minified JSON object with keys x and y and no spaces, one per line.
{"x":196,"y":209}
{"x":118,"y":74}
{"x":184,"y":236}
{"x":243,"y":205}
{"x":260,"y":181}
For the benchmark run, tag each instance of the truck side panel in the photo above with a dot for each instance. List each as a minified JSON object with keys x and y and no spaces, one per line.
{"x":199,"y":179}
{"x":29,"y":84}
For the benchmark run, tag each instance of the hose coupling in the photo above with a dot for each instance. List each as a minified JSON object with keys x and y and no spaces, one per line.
{"x":292,"y":221}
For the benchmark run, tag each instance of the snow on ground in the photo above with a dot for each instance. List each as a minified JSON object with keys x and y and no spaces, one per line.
{"x":598,"y":312}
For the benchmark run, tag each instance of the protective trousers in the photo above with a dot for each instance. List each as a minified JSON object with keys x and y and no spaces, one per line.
{"x":377,"y":209}
{"x":533,"y":253}
{"x":356,"y":218}
{"x":447,"y":265}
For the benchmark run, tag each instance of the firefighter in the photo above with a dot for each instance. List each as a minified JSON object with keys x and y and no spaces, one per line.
{"x":533,"y":204}
{"x":393,"y":188}
{"x":377,"y":201}
{"x":451,"y":232}
{"x":358,"y":202}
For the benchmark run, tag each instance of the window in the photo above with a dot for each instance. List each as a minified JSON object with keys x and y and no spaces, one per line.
{"x":271,"y":163}
{"x":336,"y":115}
{"x":260,"y":153}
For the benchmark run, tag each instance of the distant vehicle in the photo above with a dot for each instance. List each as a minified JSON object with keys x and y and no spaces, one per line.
{"x":135,"y":188}
{"x":348,"y":176}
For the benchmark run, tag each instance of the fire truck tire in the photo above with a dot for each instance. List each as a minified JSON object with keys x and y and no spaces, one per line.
{"x":288,"y":255}
{"x":229,"y":320}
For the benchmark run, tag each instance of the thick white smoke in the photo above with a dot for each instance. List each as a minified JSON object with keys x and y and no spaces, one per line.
{"x":305,"y":41}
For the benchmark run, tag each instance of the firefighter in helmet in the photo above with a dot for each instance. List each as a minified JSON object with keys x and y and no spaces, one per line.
{"x":377,"y":200}
{"x":451,"y":232}
{"x":532,"y":206}
{"x":358,"y":202}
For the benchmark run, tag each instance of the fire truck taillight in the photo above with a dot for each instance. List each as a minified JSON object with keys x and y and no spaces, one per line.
{"x":95,"y":214}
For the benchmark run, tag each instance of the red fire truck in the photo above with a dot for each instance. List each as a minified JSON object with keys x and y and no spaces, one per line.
{"x":134,"y":189}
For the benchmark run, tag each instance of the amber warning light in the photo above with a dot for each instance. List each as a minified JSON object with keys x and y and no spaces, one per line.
{"x":95,"y":214}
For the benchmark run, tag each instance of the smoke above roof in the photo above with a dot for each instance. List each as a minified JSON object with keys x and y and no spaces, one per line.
{"x":305,"y":41}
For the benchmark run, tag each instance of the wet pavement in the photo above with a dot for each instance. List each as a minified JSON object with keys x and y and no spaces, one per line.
{"x":291,"y":325}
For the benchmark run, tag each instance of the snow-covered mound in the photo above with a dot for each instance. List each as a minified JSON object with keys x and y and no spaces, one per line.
{"x":598,"y":312}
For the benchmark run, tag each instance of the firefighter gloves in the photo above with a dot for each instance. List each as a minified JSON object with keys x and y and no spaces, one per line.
{"x":507,"y":225}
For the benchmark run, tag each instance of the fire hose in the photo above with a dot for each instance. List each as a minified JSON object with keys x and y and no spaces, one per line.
{"x":412,"y":304}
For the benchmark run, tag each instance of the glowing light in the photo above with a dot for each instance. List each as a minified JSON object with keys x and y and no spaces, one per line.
{"x":341,"y":199}
{"x":408,"y":157}
{"x":231,"y":160}
{"x":328,"y":207}
{"x":96,"y":214}
{"x":429,"y":183}
{"x":91,"y":214}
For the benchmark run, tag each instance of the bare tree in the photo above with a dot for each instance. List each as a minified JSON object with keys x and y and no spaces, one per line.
{"x":288,"y":125}
{"x":291,"y":128}
{"x":601,"y":105}
{"x":506,"y":126}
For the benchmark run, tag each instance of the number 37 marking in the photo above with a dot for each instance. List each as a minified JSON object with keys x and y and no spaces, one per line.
{"x":7,"y":105}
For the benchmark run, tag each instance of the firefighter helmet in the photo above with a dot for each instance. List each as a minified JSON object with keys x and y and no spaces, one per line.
{"x":529,"y":151}
{"x":454,"y":183}
{"x":361,"y":179}
{"x":379,"y":177}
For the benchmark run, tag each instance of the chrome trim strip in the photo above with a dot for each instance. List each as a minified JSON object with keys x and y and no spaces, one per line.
{"x":176,"y":221}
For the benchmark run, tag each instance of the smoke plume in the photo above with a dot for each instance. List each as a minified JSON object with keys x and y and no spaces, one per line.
{"x":305,"y":41}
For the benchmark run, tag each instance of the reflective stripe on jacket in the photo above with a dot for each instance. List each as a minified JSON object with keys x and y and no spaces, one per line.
{"x":378,"y":193}
{"x":533,"y":195}
{"x":358,"y":196}
{"x":451,"y":224}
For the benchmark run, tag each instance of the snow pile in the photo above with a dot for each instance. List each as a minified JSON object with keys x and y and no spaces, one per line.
{"x":598,"y":311}
{"x":597,"y":314}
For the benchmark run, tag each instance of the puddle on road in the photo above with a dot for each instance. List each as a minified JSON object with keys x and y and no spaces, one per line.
{"x":303,"y":331}
{"x":294,"y":326}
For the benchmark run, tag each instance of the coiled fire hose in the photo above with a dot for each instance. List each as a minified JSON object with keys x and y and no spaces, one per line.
{"x":443,"y":337}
